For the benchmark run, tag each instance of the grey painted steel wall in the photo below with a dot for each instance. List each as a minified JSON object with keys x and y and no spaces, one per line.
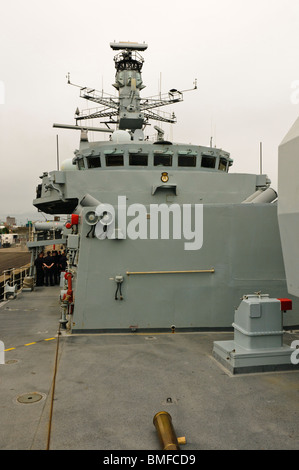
{"x":288,"y":205}
{"x":241,"y":242}
{"x":199,"y":187}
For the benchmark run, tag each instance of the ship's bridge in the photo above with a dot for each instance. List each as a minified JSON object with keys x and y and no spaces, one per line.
{"x":147,"y":155}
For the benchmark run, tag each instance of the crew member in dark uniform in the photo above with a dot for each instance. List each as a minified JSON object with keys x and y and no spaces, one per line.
{"x":55,"y":260}
{"x":39,"y":269}
{"x":48,"y":266}
{"x":62,"y":261}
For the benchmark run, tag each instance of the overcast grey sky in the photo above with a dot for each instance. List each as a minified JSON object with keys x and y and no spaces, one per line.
{"x":244,"y":55}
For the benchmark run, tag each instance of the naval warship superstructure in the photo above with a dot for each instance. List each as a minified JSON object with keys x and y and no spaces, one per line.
{"x":160,"y":235}
{"x":128,"y":342}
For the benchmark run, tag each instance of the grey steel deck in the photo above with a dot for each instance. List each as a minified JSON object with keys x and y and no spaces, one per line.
{"x":109,"y":387}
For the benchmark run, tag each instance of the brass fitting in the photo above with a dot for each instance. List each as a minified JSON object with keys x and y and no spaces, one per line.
{"x":163,"y":424}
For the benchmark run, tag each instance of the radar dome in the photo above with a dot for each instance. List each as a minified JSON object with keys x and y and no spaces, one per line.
{"x":68,"y":165}
{"x":120,"y":136}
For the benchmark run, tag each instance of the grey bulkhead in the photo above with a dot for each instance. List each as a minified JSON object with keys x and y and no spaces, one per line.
{"x":240,"y":241}
{"x":288,"y":206}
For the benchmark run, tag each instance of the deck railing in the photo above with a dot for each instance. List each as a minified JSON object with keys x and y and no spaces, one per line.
{"x":13,"y":278}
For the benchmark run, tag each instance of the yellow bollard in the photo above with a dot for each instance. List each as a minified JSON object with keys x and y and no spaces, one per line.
{"x":166,"y":433}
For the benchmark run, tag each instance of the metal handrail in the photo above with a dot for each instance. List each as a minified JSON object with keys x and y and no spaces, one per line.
{"x":212,"y":270}
{"x":12,"y":273}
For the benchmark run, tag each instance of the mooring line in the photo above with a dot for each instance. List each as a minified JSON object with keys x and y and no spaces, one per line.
{"x":53,"y":391}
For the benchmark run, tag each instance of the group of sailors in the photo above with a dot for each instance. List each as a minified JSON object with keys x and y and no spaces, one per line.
{"x":49,"y":267}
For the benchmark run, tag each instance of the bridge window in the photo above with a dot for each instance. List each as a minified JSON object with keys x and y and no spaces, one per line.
{"x":162,"y":159}
{"x":115,"y":160}
{"x":187,"y":160}
{"x":208,"y":162}
{"x":222,"y":164}
{"x":94,"y":162}
{"x":38,"y":191}
{"x":138,"y":159}
{"x":81,"y":165}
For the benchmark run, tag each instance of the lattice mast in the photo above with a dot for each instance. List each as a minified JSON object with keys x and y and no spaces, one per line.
{"x":128,"y":111}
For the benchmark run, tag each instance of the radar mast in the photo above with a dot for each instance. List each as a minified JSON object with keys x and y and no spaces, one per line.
{"x":128,"y":111}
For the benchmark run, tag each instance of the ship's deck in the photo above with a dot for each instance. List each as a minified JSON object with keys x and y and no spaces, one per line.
{"x":107,"y":388}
